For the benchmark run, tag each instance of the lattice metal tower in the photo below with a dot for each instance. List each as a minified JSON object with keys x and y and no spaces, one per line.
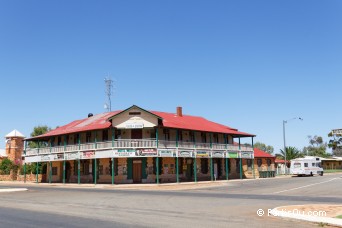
{"x":109,"y":92}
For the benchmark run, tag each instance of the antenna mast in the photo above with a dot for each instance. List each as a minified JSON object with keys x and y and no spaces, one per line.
{"x":108,"y":92}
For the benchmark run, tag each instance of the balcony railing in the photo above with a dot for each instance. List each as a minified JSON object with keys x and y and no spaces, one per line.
{"x":135,"y":143}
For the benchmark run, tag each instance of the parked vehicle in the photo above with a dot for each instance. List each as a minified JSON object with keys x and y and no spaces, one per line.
{"x":306,"y":166}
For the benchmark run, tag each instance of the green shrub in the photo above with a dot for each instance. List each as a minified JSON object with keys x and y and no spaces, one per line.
{"x":6,"y":166}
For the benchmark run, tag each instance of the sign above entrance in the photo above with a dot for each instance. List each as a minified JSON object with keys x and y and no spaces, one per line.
{"x":167,"y":153}
{"x":124,"y":153}
{"x":232,"y":154}
{"x":151,"y":152}
{"x":185,"y":153}
{"x":87,"y":154}
{"x":202,"y":154}
{"x":218,"y":154}
{"x":246,"y":154}
{"x":134,"y":125}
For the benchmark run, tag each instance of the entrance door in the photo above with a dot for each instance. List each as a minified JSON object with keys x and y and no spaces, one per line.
{"x":137,"y":175}
{"x":189,"y":169}
{"x":215,"y":171}
{"x":136,"y":133}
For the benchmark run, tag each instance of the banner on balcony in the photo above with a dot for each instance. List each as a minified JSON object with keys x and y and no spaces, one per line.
{"x":104,"y":154}
{"x":150,"y":152}
{"x":185,"y":153}
{"x":72,"y":156}
{"x":32,"y":159}
{"x":167,"y":153}
{"x":45,"y":158}
{"x":218,"y":154}
{"x":58,"y":157}
{"x":202,"y":154}
{"x":125,"y":153}
{"x":87,"y":155}
{"x":246,"y":155}
{"x":232,"y":154}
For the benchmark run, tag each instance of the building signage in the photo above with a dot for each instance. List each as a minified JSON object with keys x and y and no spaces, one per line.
{"x":185,"y":153}
{"x":336,"y":132}
{"x":218,"y":154}
{"x":202,"y":154}
{"x":32,"y":159}
{"x":58,"y":157}
{"x":246,"y":154}
{"x":72,"y":156}
{"x":167,"y":153}
{"x":134,"y":125}
{"x":88,"y":154}
{"x":125,"y":153}
{"x":104,"y":154}
{"x":232,"y":155}
{"x":46,"y":158}
{"x":147,"y":152}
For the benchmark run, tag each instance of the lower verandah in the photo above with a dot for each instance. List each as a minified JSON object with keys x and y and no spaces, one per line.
{"x":144,"y":170}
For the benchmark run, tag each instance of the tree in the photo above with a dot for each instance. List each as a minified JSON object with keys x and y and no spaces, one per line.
{"x":335,"y":143}
{"x":317,"y":147}
{"x":39,"y":130}
{"x":291,"y":153}
{"x":262,"y":146}
{"x":6,"y":166}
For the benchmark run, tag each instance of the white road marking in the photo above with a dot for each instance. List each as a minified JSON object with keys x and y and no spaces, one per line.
{"x":305,"y":186}
{"x":13,"y":189}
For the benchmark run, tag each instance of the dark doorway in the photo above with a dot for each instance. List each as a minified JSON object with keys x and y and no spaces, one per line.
{"x":217,"y":167}
{"x":137,"y":168}
{"x":67,"y":171}
{"x":136,"y":133}
{"x":189,"y":169}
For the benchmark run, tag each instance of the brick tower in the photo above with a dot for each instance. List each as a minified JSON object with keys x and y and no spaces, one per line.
{"x":15,"y":146}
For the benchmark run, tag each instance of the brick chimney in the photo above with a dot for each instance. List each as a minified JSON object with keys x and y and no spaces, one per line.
{"x":179,"y":111}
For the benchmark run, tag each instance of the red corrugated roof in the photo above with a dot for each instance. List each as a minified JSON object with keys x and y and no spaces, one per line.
{"x":98,"y":121}
{"x":195,"y":123}
{"x":281,"y":161}
{"x":262,"y":154}
{"x":170,"y":120}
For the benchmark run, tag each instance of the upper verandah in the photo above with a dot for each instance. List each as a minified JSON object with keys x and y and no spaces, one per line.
{"x":149,"y":119}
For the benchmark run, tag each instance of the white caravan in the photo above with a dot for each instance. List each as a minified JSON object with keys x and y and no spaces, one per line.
{"x":306,"y":166}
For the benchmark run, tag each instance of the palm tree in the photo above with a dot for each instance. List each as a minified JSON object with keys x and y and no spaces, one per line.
{"x":291,"y":153}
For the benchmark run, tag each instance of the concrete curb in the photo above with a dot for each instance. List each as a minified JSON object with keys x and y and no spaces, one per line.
{"x":13,"y":190}
{"x":317,"y":219}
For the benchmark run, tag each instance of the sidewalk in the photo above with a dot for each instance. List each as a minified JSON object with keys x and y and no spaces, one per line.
{"x":318,"y":213}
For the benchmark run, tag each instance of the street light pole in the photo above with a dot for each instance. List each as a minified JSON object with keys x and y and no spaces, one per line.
{"x":284,"y":122}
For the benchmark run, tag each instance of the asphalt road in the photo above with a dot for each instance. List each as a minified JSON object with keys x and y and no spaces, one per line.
{"x":232,"y":205}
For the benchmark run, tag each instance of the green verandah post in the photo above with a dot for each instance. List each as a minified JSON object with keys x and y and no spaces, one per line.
{"x":226,"y":146}
{"x":240,"y":159}
{"x":78,"y":163}
{"x":37,"y":165}
{"x":211,"y":159}
{"x":64,"y":159}
{"x":157,"y":158}
{"x":253,"y":158}
{"x":50,"y":165}
{"x":195,"y":165}
{"x":95,"y":162}
{"x":177,"y":168}
{"x":113,"y":138}
{"x":25,"y":146}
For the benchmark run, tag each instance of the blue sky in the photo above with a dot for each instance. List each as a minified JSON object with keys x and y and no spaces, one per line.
{"x":246,"y":64}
